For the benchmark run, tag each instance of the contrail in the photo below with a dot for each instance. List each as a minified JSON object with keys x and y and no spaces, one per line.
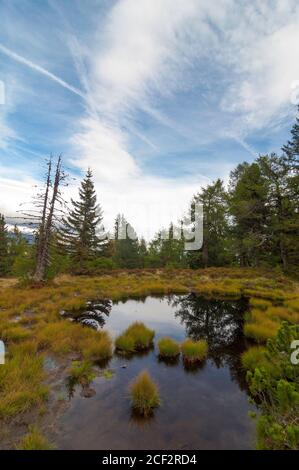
{"x":40,"y":69}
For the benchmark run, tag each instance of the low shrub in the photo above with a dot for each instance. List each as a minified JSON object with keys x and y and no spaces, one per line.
{"x":194,"y":351}
{"x":144,"y":394}
{"x":254,"y":357}
{"x":168,"y":348}
{"x":277,"y":394}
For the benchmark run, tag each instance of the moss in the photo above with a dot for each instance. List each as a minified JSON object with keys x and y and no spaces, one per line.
{"x":144,"y":394}
{"x":194,"y":351}
{"x":168,"y":348}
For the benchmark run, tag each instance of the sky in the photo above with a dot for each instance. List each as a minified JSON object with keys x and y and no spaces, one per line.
{"x":158,"y":97}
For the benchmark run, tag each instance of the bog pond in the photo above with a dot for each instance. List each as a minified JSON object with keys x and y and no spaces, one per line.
{"x":202,"y":408}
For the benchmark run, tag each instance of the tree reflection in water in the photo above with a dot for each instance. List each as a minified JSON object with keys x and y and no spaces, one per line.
{"x":93,"y":315}
{"x":220,"y":322}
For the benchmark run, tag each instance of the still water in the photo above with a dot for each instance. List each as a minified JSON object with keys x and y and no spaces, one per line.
{"x":205,"y":408}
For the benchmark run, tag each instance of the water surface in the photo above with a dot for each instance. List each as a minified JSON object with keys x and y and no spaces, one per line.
{"x":203,"y":408}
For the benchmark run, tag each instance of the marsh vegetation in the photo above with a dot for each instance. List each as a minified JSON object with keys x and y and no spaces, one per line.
{"x":217,"y":311}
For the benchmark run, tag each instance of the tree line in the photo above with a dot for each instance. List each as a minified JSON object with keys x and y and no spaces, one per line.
{"x":253,"y":222}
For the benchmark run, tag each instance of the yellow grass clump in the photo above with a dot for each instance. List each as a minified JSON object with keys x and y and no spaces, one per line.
{"x":34,"y":440}
{"x":194,"y":351}
{"x":144,"y":394}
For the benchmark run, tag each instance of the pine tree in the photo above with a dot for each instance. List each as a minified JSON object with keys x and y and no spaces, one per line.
{"x":3,"y":247}
{"x":80,"y":232}
{"x":215,"y":226}
{"x":291,"y":149}
{"x":250,"y":212}
{"x":126,"y":251}
{"x":283,"y":224}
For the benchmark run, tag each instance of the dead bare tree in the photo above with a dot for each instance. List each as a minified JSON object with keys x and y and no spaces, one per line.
{"x":51,"y":196}
{"x":48,"y":209}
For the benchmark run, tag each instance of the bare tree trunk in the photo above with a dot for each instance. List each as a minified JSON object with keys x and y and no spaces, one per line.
{"x":38,"y":274}
{"x":46,"y":224}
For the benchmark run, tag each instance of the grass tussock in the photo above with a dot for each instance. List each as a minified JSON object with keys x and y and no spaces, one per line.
{"x":260,"y":326}
{"x":283,"y":314}
{"x":137,"y":337}
{"x":34,"y":440}
{"x":144,"y":394}
{"x":168,"y":348}
{"x":259,"y":303}
{"x":64,"y":337}
{"x":194,"y":351}
{"x":14,"y":333}
{"x":81,"y":372}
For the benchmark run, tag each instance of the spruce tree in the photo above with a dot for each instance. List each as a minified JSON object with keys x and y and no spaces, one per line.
{"x":291,"y":149}
{"x":3,"y":247}
{"x":79,"y":234}
{"x":126,"y":252}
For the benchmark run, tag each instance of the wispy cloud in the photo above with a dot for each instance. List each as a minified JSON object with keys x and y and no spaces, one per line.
{"x":160,"y":81}
{"x":13,"y":55}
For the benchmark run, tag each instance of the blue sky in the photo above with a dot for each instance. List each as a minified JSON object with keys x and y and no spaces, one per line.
{"x":158,"y":96}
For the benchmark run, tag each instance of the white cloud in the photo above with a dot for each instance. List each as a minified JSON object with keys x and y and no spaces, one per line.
{"x":103,"y":148}
{"x":16,"y":188}
{"x":145,"y":52}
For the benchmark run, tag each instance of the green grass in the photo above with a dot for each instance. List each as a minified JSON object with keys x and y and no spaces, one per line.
{"x":168,"y":348}
{"x":81,"y":372}
{"x":137,"y":337}
{"x":63,"y":337}
{"x":14,"y":333}
{"x":144,"y":394}
{"x":34,"y":440}
{"x":260,"y":326}
{"x":21,"y":384}
{"x":194,"y":351}
{"x":125,"y":343}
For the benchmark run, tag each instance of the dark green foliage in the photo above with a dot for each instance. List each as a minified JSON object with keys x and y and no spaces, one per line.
{"x":126,"y":246}
{"x":291,"y":149}
{"x":80,"y":235}
{"x":248,"y":207}
{"x":277,"y":391}
{"x":214,"y":252}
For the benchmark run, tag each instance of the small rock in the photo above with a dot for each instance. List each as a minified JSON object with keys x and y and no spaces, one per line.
{"x":124,"y":366}
{"x":87,"y":392}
